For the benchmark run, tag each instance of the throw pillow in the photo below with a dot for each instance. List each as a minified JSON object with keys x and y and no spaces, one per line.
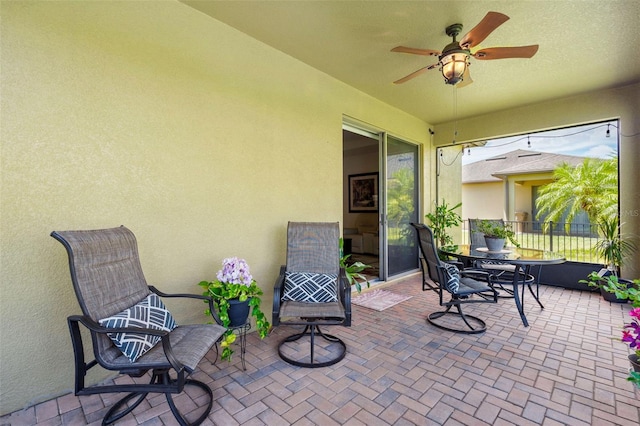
{"x":452,"y":276}
{"x":148,"y":313}
{"x":310,"y":287}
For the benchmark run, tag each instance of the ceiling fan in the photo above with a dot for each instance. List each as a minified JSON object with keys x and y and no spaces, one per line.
{"x":454,"y":58}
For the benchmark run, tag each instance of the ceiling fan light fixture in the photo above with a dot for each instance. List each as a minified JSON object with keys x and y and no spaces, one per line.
{"x":454,"y":59}
{"x":454,"y":64}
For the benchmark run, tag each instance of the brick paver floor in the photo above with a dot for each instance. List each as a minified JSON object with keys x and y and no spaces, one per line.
{"x":568,"y":367}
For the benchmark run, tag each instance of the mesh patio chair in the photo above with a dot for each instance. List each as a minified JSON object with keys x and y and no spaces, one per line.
{"x":131,"y":330}
{"x":312,"y":291}
{"x":464,"y":287}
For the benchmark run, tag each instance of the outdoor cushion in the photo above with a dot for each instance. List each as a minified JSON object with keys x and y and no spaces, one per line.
{"x":310,"y":287}
{"x":452,"y":275}
{"x":148,"y":313}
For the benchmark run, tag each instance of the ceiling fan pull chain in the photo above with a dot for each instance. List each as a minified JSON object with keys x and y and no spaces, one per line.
{"x":455,"y":113}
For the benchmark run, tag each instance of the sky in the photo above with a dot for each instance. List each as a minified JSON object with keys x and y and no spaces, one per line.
{"x":584,"y":141}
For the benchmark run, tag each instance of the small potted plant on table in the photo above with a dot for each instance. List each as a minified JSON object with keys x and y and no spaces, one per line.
{"x":235,"y":295}
{"x":495,"y":234}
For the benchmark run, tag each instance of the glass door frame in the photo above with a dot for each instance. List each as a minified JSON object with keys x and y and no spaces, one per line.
{"x":357,"y":127}
{"x":384,"y":201}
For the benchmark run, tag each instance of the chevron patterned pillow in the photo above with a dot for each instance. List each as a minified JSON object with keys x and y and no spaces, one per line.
{"x":310,"y":287}
{"x":148,"y":313}
{"x":452,"y":275}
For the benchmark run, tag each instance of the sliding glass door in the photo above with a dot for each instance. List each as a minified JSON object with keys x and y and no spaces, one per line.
{"x":380,"y":234}
{"x":401,"y":201}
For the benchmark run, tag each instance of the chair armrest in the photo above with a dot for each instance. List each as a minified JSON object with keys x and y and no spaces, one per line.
{"x":97,"y":328}
{"x":344,"y":290}
{"x":278,"y":290}
{"x":478,"y":274}
{"x":456,"y":263}
{"x":190,"y":296}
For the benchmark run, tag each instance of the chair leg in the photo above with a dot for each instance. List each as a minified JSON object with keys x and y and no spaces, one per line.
{"x":179,"y":417}
{"x":159,"y":377}
{"x":113,"y":415}
{"x":536,"y":282}
{"x":481,"y":326}
{"x":311,"y":331}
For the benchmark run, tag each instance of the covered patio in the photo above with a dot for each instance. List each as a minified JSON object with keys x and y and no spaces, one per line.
{"x":568,"y":367}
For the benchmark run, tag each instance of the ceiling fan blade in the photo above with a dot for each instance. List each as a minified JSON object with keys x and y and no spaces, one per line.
{"x":506,"y":52}
{"x":424,"y":52}
{"x":415,"y":74}
{"x":466,"y":79}
{"x":490,"y":22}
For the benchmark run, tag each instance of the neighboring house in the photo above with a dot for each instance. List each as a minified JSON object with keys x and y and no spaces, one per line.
{"x":505,"y":186}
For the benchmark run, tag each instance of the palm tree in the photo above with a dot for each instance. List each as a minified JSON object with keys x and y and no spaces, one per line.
{"x":591,"y":187}
{"x":401,"y":189}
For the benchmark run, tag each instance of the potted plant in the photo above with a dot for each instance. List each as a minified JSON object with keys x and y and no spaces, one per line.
{"x":353,"y":270}
{"x":496,"y":233}
{"x":235,"y":290}
{"x":441,"y":220}
{"x":628,"y":291}
{"x":631,"y":335}
{"x":613,"y":247}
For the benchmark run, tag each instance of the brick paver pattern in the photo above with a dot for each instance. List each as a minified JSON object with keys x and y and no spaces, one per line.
{"x":567,"y":368}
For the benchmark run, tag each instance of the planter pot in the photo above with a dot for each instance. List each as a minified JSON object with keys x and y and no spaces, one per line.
{"x":494,"y":244}
{"x":611,"y":297}
{"x":635,"y":362}
{"x":238,"y":312}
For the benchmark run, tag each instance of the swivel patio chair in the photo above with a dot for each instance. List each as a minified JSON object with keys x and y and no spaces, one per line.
{"x":131,"y":330}
{"x":312,"y":291}
{"x":464,"y":287}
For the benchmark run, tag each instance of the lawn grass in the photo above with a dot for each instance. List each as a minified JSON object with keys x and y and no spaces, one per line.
{"x":573,"y":247}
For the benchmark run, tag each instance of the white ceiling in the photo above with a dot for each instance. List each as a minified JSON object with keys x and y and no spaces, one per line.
{"x":584,"y":46}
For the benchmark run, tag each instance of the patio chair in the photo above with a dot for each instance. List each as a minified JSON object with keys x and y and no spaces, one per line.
{"x":131,"y":330}
{"x":312,"y":291}
{"x":461,"y":285}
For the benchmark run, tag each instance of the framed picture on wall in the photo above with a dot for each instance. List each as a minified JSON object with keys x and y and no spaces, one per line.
{"x":363,"y":193}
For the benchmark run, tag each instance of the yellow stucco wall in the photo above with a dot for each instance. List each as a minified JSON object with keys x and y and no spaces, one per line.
{"x":483,"y":201}
{"x":200,"y":139}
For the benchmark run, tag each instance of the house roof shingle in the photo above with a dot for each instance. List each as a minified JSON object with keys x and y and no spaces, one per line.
{"x":513,"y":163}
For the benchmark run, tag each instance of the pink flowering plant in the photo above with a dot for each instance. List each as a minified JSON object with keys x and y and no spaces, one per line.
{"x":631,"y":335}
{"x":234,"y":281}
{"x":629,"y":290}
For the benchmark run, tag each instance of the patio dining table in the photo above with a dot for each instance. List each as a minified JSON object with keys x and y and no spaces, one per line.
{"x":523,"y":259}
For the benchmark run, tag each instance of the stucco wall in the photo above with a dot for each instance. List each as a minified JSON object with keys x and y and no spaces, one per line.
{"x":150,"y":114}
{"x":447,"y":167}
{"x":483,"y":201}
{"x":622,"y":103}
